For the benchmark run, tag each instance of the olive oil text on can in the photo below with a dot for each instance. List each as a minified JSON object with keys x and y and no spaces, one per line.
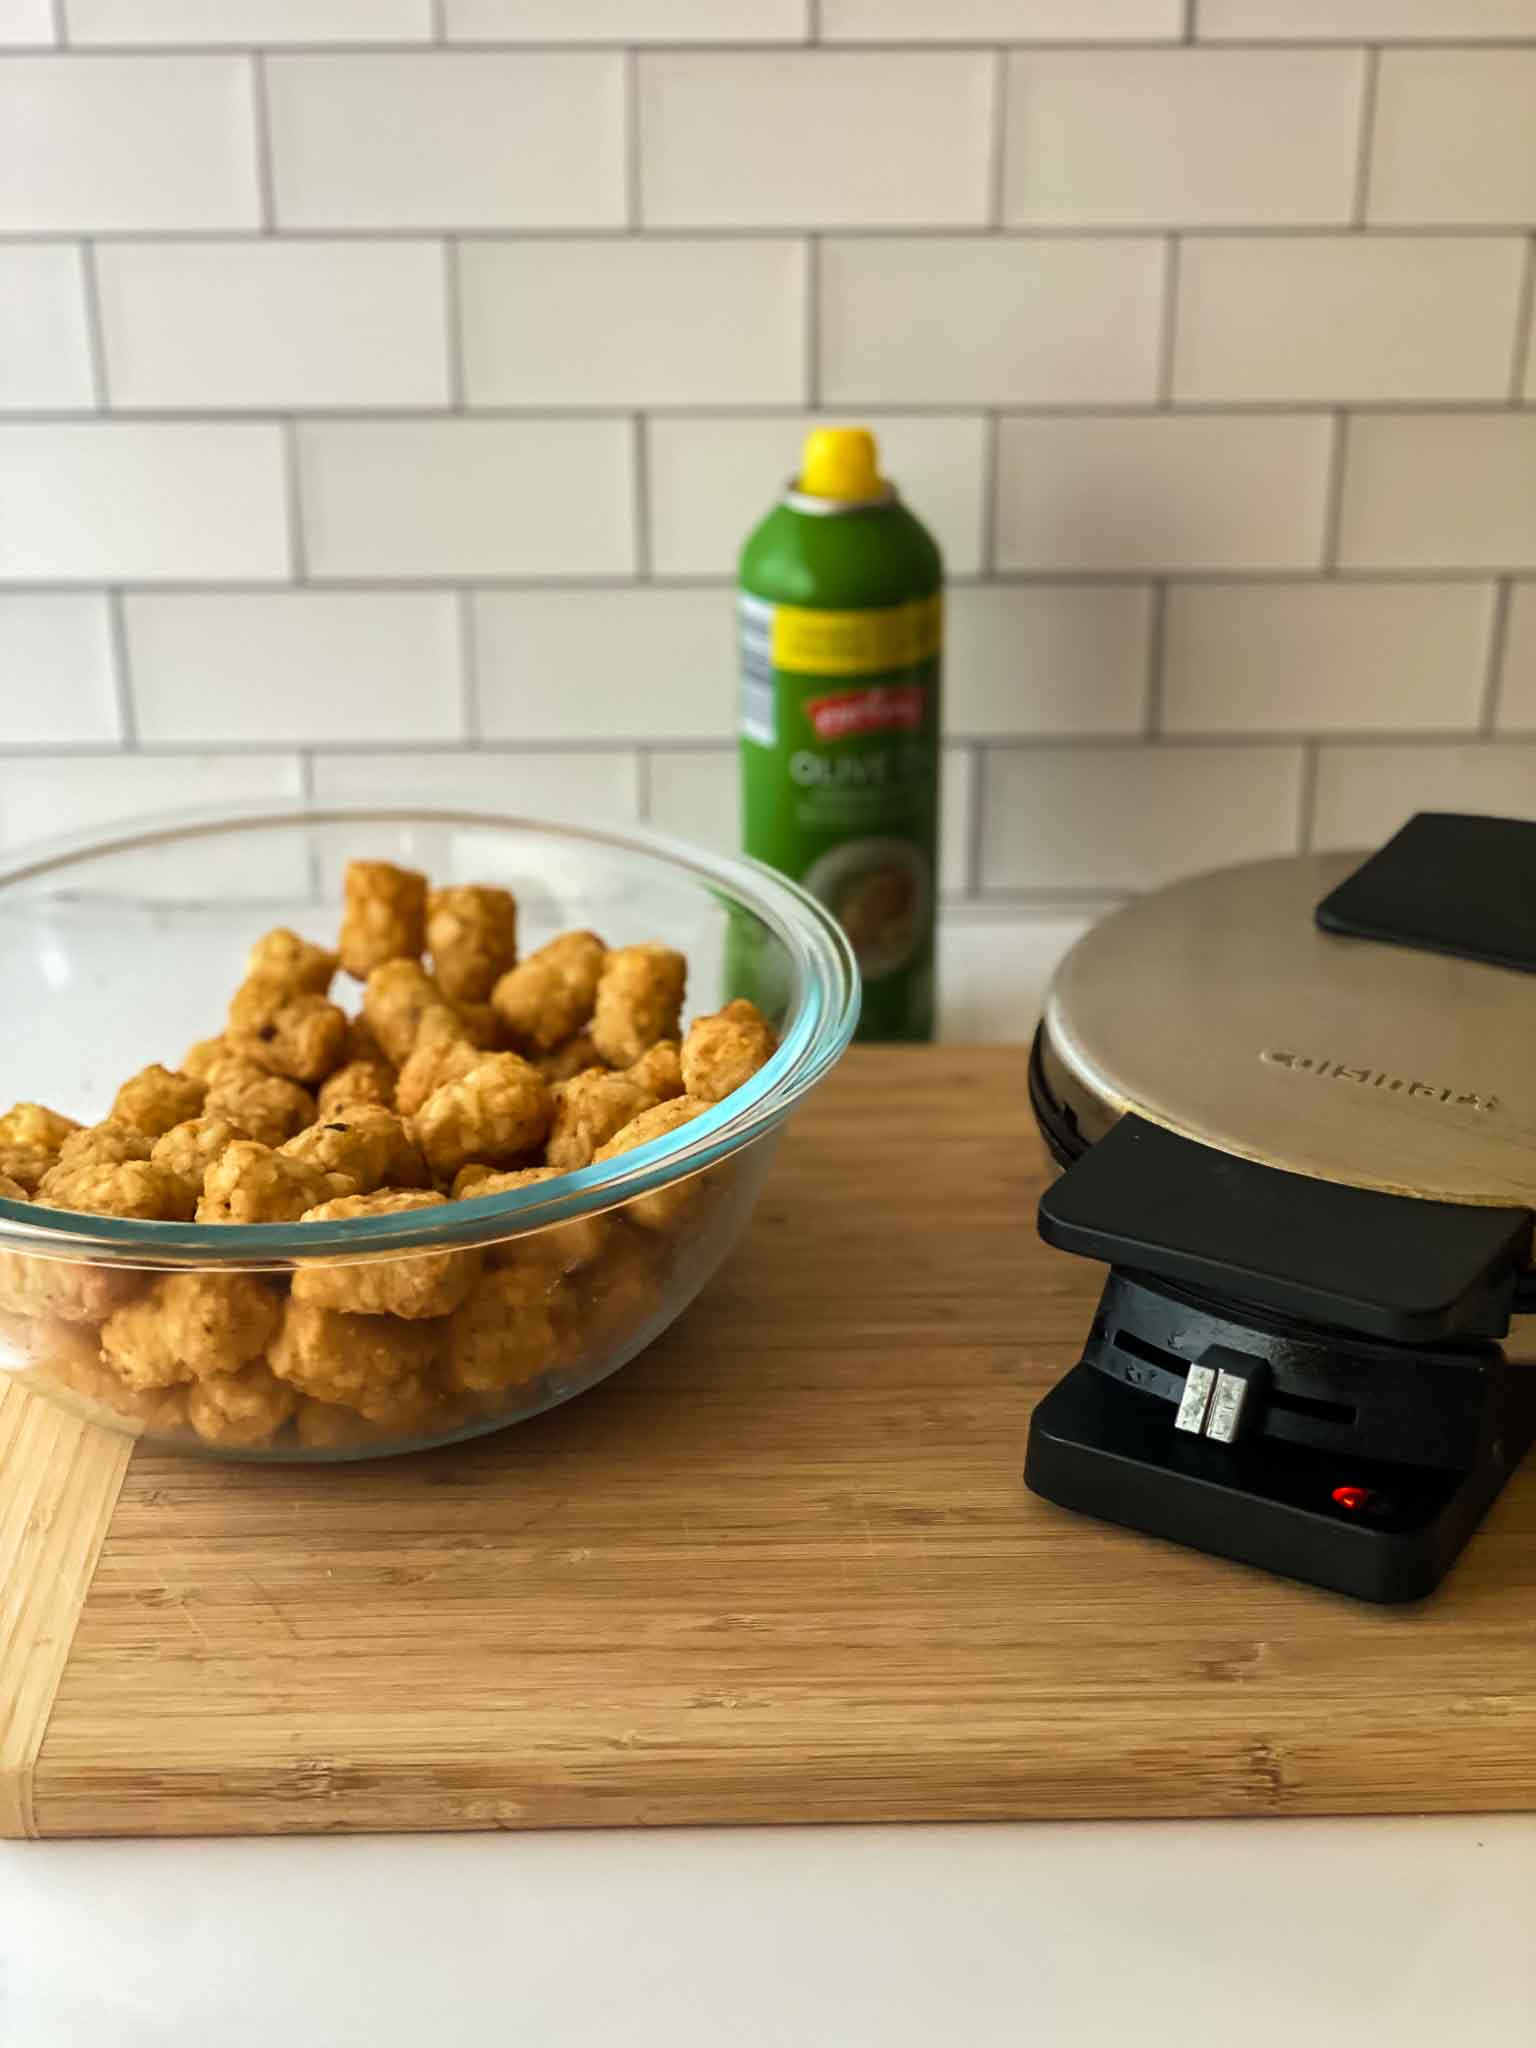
{"x":841,"y":622}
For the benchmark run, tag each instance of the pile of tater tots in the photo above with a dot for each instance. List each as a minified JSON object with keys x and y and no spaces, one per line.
{"x":466,"y":1071}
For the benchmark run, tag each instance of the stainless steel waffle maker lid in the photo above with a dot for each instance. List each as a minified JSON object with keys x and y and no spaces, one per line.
{"x":1311,"y":1083}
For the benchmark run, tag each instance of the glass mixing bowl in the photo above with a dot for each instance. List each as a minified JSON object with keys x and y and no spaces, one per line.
{"x":119,"y":949}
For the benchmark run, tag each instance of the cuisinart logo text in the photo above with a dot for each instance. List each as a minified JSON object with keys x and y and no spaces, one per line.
{"x":1375,"y":1077}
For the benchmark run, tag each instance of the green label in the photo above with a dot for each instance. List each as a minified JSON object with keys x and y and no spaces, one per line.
{"x":840,"y":761}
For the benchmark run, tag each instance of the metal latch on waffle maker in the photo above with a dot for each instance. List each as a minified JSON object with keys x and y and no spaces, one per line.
{"x":1222,"y":1395}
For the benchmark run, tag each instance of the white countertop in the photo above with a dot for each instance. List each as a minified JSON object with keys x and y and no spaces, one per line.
{"x":1342,"y":1934}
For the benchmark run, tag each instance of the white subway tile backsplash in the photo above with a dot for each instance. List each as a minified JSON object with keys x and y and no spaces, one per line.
{"x":991,"y":319}
{"x":1365,"y":793}
{"x":45,"y":352}
{"x":124,"y":500}
{"x":815,"y":139}
{"x":1001,"y":21}
{"x":596,"y":788}
{"x":1325,"y":657}
{"x":56,"y":674}
{"x":94,"y":142}
{"x":626,"y":21}
{"x":1341,"y":317}
{"x":451,"y":497}
{"x":270,"y":323}
{"x":994,"y":970}
{"x":696,"y":795}
{"x":1182,"y":137}
{"x":26,"y":23}
{"x":1453,"y":137}
{"x":249,"y":21}
{"x":1128,"y":817}
{"x":1161,"y":491}
{"x":1517,"y":685}
{"x":1347,"y":21}
{"x":712,"y":480}
{"x":1440,"y":491}
{"x":40,"y":798}
{"x":316,"y":666}
{"x":634,"y":321}
{"x":448,"y":139}
{"x":643,"y":663}
{"x":1051,"y":659}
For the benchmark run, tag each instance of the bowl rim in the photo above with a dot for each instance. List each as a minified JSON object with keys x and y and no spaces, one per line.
{"x":815,"y":1033}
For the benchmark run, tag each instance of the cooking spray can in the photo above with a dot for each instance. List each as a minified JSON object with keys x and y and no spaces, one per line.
{"x":841,"y":619}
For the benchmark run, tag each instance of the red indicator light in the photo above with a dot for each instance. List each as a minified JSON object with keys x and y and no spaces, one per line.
{"x":1351,"y":1496}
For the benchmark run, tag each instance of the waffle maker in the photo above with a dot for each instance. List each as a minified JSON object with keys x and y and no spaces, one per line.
{"x":1295,"y":1102}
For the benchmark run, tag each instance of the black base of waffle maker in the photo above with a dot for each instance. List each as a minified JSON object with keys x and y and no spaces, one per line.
{"x":1287,"y":1368}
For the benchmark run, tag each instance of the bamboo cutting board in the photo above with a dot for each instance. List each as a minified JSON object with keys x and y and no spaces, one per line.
{"x":782,"y":1568}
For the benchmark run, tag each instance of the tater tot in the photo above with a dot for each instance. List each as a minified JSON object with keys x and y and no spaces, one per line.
{"x":416,"y":1286}
{"x":188,"y":1326}
{"x":29,"y":1123}
{"x":155,"y":1099}
{"x":441,"y":1054}
{"x":248,"y":1183}
{"x":384,"y":915}
{"x":574,"y":1057}
{"x":281,"y":955}
{"x":659,"y":1072}
{"x":103,"y":1144}
{"x":241,"y":1411}
{"x":639,"y":1000}
{"x":472,"y":938}
{"x":360,"y":1084}
{"x":189,"y":1149}
{"x":722,"y":1051}
{"x":66,"y":1288}
{"x":128,"y":1187}
{"x":565,"y":1247}
{"x":497,"y":1115}
{"x":663,"y":1208}
{"x":548,"y":997}
{"x":589,"y":1110}
{"x":371,"y":1146}
{"x":300,"y":1036}
{"x":367,"y":1363}
{"x":270,"y":1107}
{"x":398,"y":995}
{"x":25,"y":1164}
{"x":12,"y":1190}
{"x":506,"y":1334}
{"x":203,"y":1055}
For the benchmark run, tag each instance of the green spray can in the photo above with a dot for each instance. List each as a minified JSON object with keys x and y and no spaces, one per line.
{"x":841,"y":619}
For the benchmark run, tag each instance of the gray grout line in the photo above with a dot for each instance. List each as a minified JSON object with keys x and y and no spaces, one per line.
{"x":1152,"y":689}
{"x":1168,"y":337}
{"x":60,"y":22}
{"x":469,"y":664}
{"x":1368,"y":90}
{"x":306,"y":762}
{"x":917,"y":50}
{"x":641,"y":504}
{"x":997,"y":101}
{"x":1333,"y":501}
{"x":991,"y":469}
{"x":453,"y":323}
{"x":1523,"y":324}
{"x":1498,"y":634}
{"x":95,"y":333}
{"x":439,"y":21}
{"x":812,"y":21}
{"x":416,"y":414}
{"x":747,"y":231}
{"x":1190,"y":7}
{"x":974,"y":835}
{"x":293,"y":502}
{"x":631,"y":138}
{"x":642,"y":782}
{"x":813,"y":263}
{"x":127,"y":711}
{"x":263,"y":132}
{"x":721,"y":748}
{"x":1306,"y":804}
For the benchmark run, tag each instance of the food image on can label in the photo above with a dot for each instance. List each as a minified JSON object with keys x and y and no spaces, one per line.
{"x":880,"y":891}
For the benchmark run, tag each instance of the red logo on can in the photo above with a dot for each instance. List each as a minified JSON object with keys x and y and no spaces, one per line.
{"x":889,"y":707}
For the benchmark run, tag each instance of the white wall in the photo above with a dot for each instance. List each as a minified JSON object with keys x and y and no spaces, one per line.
{"x":382,"y":376}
